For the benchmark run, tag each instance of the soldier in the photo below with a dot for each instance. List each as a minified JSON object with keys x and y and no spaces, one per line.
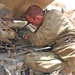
{"x":54,"y":29}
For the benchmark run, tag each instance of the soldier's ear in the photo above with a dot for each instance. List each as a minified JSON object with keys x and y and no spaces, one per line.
{"x":38,"y":17}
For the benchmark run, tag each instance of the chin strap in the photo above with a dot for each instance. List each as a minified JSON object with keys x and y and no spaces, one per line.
{"x":24,"y":26}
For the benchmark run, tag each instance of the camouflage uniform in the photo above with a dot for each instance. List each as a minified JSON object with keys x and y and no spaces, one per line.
{"x":55,"y":29}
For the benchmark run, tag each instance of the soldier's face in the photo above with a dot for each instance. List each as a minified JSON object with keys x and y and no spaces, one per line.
{"x":36,"y":21}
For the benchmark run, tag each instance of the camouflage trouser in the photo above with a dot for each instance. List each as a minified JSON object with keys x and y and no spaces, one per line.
{"x":67,"y":53}
{"x":46,"y":62}
{"x":49,"y":61}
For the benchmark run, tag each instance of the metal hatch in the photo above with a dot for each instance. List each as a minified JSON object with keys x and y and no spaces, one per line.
{"x":16,"y":8}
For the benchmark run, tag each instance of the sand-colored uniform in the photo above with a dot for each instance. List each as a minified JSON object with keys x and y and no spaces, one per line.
{"x":55,"y":29}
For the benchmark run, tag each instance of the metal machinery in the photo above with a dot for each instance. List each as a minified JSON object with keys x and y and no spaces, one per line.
{"x":12,"y":45}
{"x":12,"y":48}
